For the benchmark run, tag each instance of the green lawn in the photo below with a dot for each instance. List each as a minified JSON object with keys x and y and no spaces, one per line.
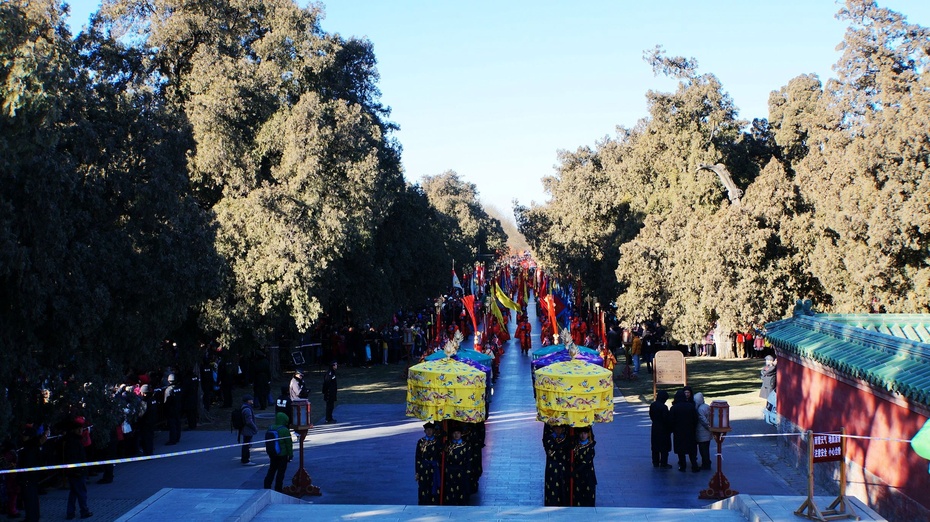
{"x":376,"y":385}
{"x":736,"y":380}
{"x":716,"y":378}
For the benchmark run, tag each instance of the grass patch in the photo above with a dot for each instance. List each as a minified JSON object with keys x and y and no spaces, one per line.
{"x":734,"y":380}
{"x":380,"y":384}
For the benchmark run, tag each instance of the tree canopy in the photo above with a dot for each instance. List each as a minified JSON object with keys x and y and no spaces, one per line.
{"x":222,"y":169}
{"x":103,"y":248}
{"x":833,"y":186}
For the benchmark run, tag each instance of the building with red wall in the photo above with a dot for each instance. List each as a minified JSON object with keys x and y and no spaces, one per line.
{"x":869,"y":374}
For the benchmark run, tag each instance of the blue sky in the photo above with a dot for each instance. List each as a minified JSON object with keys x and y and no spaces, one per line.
{"x":494,"y":89}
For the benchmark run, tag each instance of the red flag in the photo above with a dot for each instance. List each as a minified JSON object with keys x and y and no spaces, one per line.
{"x":469,"y":302}
{"x":550,"y":310}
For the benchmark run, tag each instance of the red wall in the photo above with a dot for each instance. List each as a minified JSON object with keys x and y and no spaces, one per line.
{"x":815,"y":401}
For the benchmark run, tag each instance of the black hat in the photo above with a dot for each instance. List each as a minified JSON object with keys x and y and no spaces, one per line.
{"x":298,"y":371}
{"x":430,"y":426}
{"x":247,"y":397}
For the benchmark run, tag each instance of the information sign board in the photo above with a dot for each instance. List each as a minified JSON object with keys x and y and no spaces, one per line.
{"x":828,"y":447}
{"x":670,"y":368}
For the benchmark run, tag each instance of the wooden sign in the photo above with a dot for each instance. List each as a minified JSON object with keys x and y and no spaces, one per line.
{"x":670,"y":368}
{"x":828,"y":447}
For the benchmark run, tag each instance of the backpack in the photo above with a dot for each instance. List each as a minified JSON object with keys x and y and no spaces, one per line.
{"x":273,"y":442}
{"x":238,"y":421}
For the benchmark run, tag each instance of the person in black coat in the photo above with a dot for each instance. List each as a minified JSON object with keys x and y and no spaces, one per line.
{"x":558,"y":449}
{"x":189,"y":400}
{"x":458,"y":468}
{"x":283,"y":404}
{"x":661,"y":436}
{"x":684,"y":420}
{"x":262,"y":383}
{"x":614,"y":340}
{"x":74,"y":453}
{"x":427,"y":466}
{"x":207,"y":381}
{"x":356,"y":346}
{"x":475,"y":437}
{"x":329,"y":391}
{"x":30,"y":456}
{"x":172,"y":410}
{"x":228,"y":372}
{"x":584,"y":479}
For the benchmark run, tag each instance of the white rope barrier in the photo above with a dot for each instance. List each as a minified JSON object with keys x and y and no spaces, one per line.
{"x":137,"y":459}
{"x":848,"y":436}
{"x":239,"y":445}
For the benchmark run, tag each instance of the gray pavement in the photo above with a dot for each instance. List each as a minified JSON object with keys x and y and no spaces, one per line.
{"x":364,"y":467}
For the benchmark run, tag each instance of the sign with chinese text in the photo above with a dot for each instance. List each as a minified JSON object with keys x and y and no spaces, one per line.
{"x":828,"y":447}
{"x":670,"y":368}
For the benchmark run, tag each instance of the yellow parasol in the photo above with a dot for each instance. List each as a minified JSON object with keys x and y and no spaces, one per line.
{"x":446,"y":389}
{"x":574,"y":393}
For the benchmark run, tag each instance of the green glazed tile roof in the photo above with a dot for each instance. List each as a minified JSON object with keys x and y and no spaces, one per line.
{"x":890,"y":351}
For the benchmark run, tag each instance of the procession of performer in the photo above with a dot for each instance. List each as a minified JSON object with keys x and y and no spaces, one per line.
{"x":448,"y":459}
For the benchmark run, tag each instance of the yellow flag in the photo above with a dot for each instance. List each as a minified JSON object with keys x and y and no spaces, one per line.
{"x":506,"y":301}
{"x":496,"y":311}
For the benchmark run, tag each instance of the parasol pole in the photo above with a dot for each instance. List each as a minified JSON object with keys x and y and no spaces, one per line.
{"x":571,"y":467}
{"x":442,"y":464}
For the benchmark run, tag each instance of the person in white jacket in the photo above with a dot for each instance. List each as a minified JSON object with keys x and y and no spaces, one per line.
{"x":702,"y":432}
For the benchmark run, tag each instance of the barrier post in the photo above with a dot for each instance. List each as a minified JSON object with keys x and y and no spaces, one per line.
{"x":826,"y":447}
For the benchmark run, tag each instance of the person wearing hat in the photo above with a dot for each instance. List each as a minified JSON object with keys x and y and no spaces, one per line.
{"x":329,"y":391}
{"x":283,"y":404}
{"x":296,"y":388}
{"x":458,"y":468}
{"x":172,"y":405}
{"x":147,"y":420}
{"x":584,"y":480}
{"x":249,"y":429}
{"x":558,"y":454}
{"x":280,"y":451}
{"x":426,"y":466}
{"x":769,"y":379}
{"x":74,"y":453}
